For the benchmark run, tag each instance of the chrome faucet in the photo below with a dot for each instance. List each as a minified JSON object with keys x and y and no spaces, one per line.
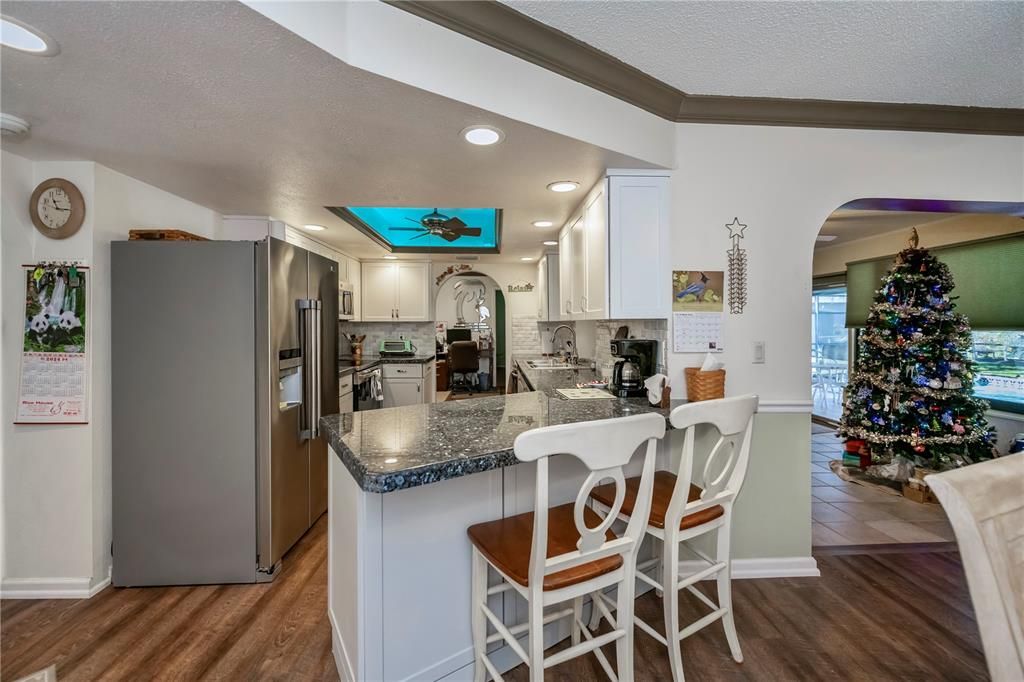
{"x":574,"y":357}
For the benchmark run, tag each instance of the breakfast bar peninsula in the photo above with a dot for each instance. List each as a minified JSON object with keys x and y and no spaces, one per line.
{"x":405,"y":483}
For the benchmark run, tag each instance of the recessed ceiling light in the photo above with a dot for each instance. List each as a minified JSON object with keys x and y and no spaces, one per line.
{"x":21,"y":36}
{"x":13,"y":126}
{"x":525,"y":258}
{"x":482,"y":135}
{"x":563,"y":186}
{"x":542,"y":223}
{"x":391,"y":460}
{"x":315,"y":228}
{"x":826,"y":237}
{"x":550,"y":243}
{"x":390,"y":257}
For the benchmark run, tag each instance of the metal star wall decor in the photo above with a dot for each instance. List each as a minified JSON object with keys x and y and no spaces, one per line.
{"x":737,"y":268}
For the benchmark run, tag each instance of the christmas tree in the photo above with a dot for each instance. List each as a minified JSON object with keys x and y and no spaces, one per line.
{"x":910,"y":395}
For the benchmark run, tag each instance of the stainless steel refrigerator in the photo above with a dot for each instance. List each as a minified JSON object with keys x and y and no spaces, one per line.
{"x":224,"y":357}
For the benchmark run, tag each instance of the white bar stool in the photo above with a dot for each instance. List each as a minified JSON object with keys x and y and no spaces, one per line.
{"x":551,"y":556}
{"x":681,"y":511}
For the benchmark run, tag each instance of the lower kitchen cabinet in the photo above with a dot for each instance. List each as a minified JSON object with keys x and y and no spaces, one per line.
{"x":409,"y":384}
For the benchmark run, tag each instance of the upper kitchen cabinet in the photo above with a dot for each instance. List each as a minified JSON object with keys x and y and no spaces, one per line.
{"x":548,"y":300}
{"x":613,"y":251}
{"x":396,"y":292}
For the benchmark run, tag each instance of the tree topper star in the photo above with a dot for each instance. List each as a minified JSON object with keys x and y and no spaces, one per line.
{"x":735,"y":228}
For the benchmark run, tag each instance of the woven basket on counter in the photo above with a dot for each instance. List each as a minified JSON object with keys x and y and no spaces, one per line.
{"x":704,"y":385}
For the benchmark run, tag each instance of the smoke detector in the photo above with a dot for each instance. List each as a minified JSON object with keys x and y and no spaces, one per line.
{"x":12,"y":126}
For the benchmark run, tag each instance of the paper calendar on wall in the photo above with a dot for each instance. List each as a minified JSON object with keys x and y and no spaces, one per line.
{"x":53,"y":387}
{"x":697,"y":310}
{"x":697,"y":332}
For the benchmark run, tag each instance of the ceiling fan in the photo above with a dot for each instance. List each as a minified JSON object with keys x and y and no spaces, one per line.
{"x":439,"y":225}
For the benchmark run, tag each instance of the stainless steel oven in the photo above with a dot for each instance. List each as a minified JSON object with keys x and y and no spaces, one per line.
{"x":369,"y":389}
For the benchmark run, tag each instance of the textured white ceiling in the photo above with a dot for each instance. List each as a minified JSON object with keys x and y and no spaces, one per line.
{"x":958,"y":53}
{"x":216,"y":103}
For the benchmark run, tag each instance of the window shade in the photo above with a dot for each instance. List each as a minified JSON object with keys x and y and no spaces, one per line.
{"x":988,"y":275}
{"x":822,"y":282}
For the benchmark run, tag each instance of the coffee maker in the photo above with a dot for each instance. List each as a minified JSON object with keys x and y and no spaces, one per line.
{"x":636,"y":362}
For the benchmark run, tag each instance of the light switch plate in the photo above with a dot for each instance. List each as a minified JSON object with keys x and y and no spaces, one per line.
{"x":758,"y":352}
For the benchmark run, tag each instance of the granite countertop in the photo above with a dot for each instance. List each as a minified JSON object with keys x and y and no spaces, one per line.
{"x":347,"y":366}
{"x":404,"y":447}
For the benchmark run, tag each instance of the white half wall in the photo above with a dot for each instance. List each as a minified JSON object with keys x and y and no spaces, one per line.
{"x":56,"y":479}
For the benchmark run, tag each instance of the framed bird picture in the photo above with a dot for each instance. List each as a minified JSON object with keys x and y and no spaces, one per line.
{"x":698,"y":291}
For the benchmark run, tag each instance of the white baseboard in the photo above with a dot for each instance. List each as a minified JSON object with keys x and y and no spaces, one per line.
{"x":341,"y":659}
{"x":781,"y":567}
{"x":51,"y":588}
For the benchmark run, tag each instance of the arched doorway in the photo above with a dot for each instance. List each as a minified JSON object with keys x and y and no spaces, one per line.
{"x":853,"y":503}
{"x":470,"y":305}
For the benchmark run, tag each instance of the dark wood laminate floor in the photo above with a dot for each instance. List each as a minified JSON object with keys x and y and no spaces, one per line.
{"x":869,"y":617}
{"x":275,"y":631}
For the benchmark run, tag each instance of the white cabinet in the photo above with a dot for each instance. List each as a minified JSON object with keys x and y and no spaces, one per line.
{"x":396,"y":292}
{"x":409,"y":383}
{"x":413,"y":291}
{"x":378,"y":291}
{"x":614,"y":251}
{"x":565,"y":267}
{"x":593,"y":303}
{"x":639,"y":214}
{"x":578,"y":276}
{"x":548,"y":299}
{"x":402,"y":392}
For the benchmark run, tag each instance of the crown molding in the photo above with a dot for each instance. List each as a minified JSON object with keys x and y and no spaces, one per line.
{"x":501,"y":27}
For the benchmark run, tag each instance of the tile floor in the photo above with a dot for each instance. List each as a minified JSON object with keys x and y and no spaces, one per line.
{"x":849,"y":514}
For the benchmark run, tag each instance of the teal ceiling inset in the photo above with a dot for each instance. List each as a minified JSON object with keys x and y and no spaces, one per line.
{"x":426,"y":230}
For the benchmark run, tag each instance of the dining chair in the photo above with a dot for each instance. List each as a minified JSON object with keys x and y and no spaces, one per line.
{"x":559,"y":555}
{"x":985,"y":505}
{"x":682,"y":511}
{"x":463,"y":361}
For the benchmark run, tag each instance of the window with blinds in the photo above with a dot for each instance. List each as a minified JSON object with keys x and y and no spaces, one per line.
{"x":989,"y":277}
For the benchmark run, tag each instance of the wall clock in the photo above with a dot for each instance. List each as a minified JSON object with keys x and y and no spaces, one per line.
{"x":57,"y":208}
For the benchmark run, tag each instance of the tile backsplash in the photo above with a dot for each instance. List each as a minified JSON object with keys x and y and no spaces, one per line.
{"x":420,"y":333}
{"x":638,"y":329}
{"x":525,"y":335}
{"x":593,"y":337}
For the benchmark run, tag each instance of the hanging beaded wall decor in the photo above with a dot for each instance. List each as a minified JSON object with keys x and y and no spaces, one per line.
{"x":737,"y":268}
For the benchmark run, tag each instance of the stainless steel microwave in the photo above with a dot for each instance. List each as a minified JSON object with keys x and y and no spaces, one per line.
{"x":346,"y":303}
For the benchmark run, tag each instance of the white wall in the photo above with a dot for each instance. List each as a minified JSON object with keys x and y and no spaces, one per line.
{"x":56,"y":479}
{"x":47,"y":470}
{"x":444,"y":304}
{"x":390,"y":42}
{"x":783,"y":183}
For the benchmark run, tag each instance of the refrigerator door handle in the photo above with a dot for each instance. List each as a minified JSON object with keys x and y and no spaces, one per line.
{"x":309,"y":322}
{"x":314,"y":427}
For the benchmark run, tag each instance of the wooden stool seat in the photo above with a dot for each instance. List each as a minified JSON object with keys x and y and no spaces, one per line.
{"x":664,"y":484}
{"x":506,"y":544}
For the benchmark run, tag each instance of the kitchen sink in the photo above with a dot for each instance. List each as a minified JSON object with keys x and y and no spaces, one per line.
{"x":549,"y":363}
